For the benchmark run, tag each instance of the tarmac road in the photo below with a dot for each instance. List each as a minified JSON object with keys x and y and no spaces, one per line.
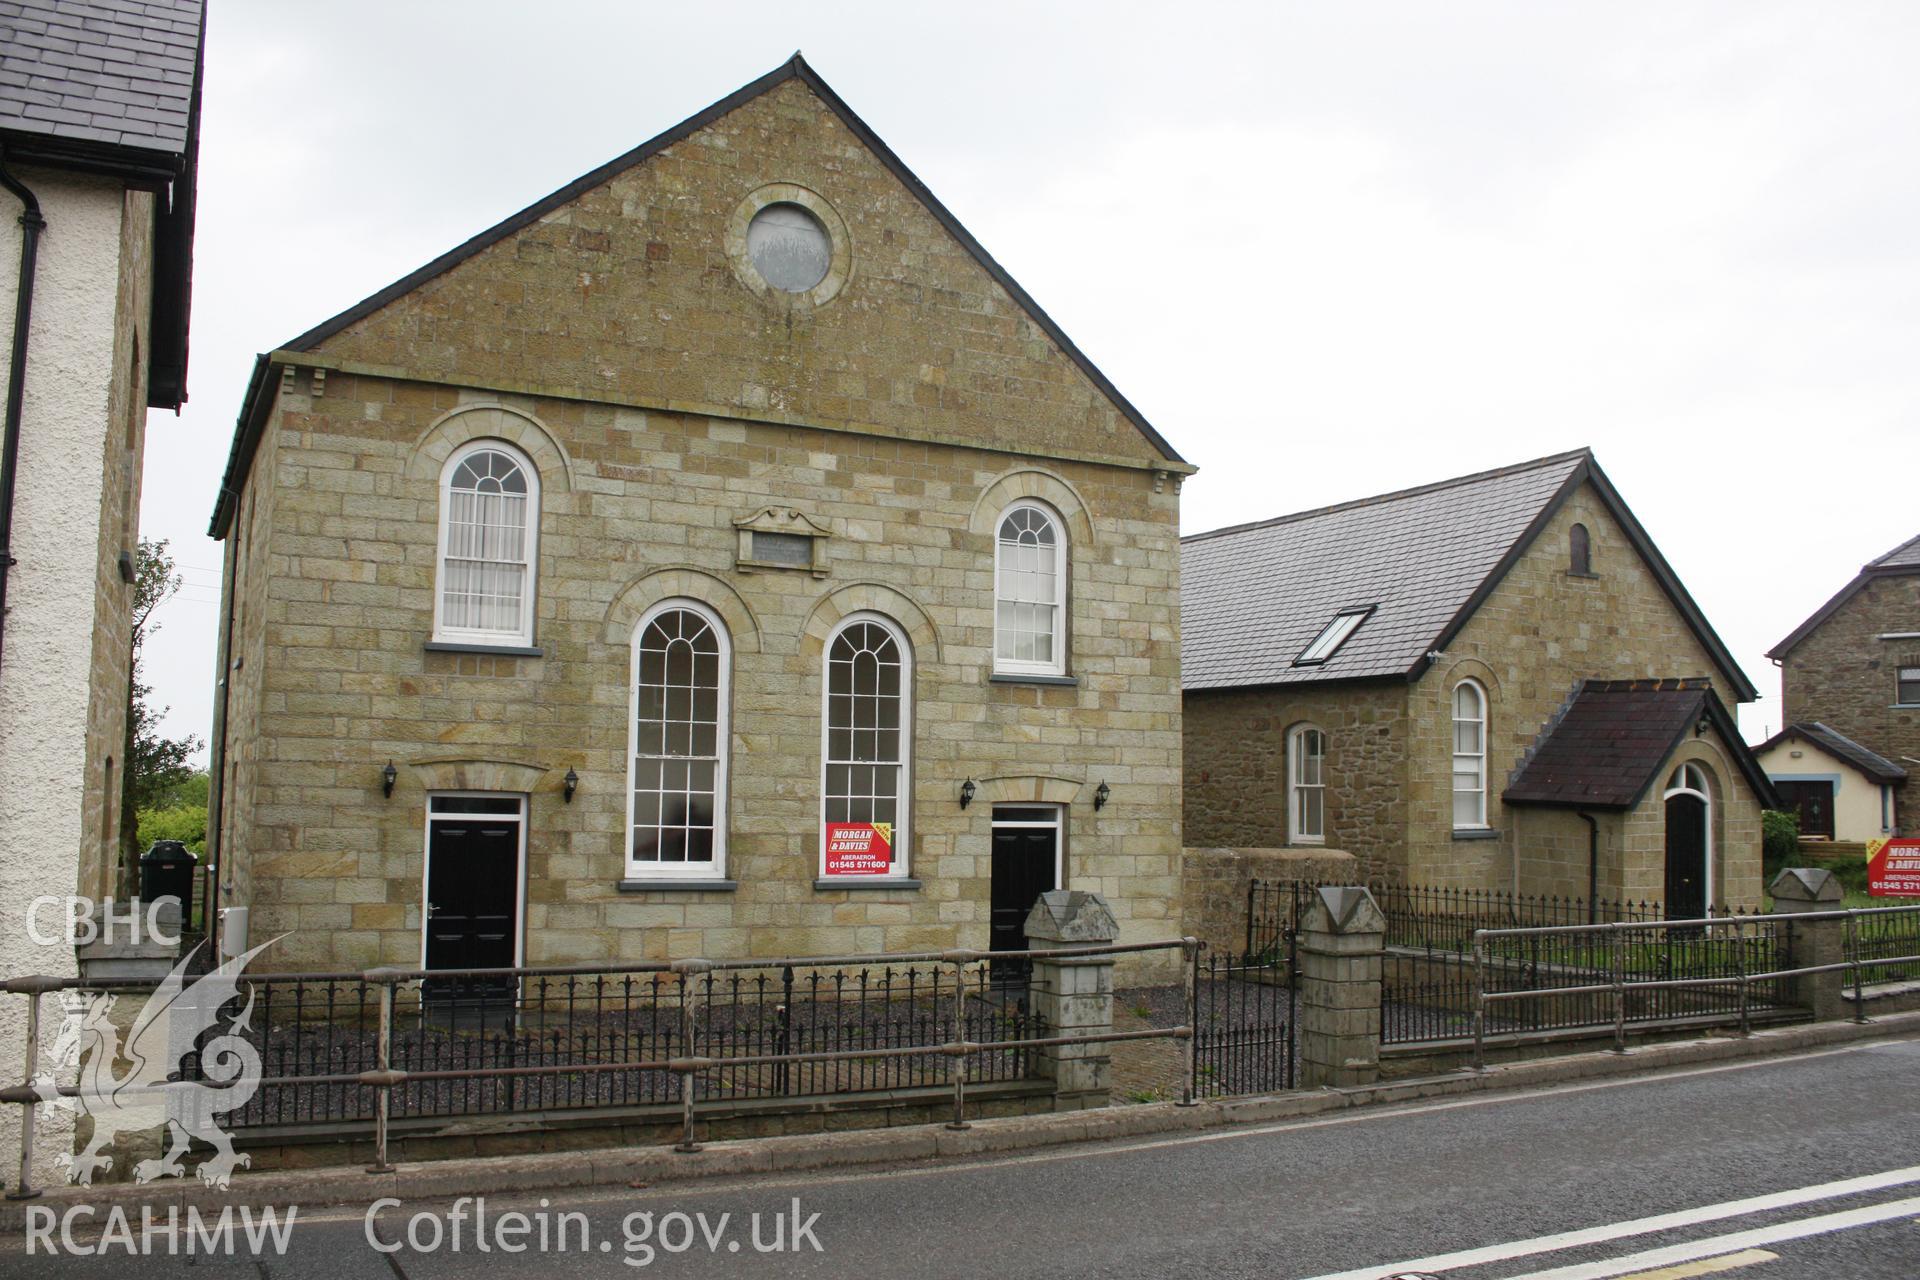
{"x":1790,"y":1168}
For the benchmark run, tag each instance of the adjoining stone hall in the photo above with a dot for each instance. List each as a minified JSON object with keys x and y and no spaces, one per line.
{"x":722,"y":556}
{"x":1491,"y":682}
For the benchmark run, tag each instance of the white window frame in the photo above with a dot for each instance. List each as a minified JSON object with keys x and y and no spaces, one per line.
{"x":1296,"y":757}
{"x":426,"y":859}
{"x":521,"y":637}
{"x":1690,"y":778}
{"x":1055,"y":822}
{"x":1454,"y":721}
{"x":716,"y":869}
{"x":903,"y":801}
{"x":1899,"y":678}
{"x":1014,"y":666}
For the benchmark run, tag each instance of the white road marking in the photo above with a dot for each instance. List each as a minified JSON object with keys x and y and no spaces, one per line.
{"x":1708,"y":1266}
{"x":1826,"y":1224}
{"x":1638,"y":1226}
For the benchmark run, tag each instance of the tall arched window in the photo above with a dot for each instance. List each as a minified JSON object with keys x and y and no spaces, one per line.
{"x":1579,"y":551}
{"x":677,"y":781}
{"x":1306,"y":785}
{"x":1030,"y":592}
{"x":866,"y":756}
{"x":1469,"y":755}
{"x":489,"y":538}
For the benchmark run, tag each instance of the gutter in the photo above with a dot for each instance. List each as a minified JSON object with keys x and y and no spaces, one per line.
{"x":32,"y":223}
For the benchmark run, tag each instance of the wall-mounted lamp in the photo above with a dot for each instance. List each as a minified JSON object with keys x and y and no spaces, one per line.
{"x":966,"y":793}
{"x":388,"y":776}
{"x":570,"y":783}
{"x":1101,"y":794}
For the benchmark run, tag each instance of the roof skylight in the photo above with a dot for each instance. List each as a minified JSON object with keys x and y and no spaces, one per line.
{"x":1332,"y":636}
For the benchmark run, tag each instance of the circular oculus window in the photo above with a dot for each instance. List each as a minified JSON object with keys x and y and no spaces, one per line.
{"x":789,"y":248}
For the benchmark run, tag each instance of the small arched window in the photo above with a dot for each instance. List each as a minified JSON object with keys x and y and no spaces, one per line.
{"x":1306,"y":785}
{"x":1579,"y":551}
{"x":866,"y":762}
{"x":1689,"y":779}
{"x":677,"y":764}
{"x":489,"y":537}
{"x":1469,"y":756}
{"x":1030,"y":592}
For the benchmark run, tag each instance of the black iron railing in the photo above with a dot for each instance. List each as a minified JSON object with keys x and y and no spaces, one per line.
{"x":549,"y":1021}
{"x":1882,"y":939}
{"x":1427,"y":989}
{"x":1245,"y":1023}
{"x":1723,"y":969}
{"x":394,"y":1044}
{"x":1437,"y":917}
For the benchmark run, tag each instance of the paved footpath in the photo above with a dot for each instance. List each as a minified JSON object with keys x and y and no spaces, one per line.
{"x":1785,"y":1168}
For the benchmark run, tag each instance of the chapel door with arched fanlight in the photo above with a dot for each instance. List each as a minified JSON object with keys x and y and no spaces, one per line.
{"x":1689,"y":843}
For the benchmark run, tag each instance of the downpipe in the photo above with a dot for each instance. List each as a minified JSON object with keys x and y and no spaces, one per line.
{"x":1593,"y":867}
{"x":32,"y":223}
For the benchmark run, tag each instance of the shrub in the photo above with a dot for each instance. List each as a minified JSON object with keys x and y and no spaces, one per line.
{"x":187,"y":824}
{"x":1779,"y":839}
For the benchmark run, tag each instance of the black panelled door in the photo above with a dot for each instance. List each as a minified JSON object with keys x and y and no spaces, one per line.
{"x":1686,"y":857}
{"x":473,"y":891}
{"x":1023,"y":869}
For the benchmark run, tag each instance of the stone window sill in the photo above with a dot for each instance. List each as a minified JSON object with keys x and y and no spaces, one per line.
{"x":1014,"y":677}
{"x":496,"y":650}
{"x":676,"y":886}
{"x":823,"y":883}
{"x":1592,"y":577}
{"x":1476,"y":833}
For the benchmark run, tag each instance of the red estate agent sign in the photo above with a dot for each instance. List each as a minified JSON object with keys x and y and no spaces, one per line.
{"x":859,"y":848}
{"x":1893,"y":868}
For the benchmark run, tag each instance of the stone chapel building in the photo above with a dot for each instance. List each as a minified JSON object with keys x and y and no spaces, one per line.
{"x":1850,"y":674}
{"x":722,"y":556}
{"x":1495,"y":681}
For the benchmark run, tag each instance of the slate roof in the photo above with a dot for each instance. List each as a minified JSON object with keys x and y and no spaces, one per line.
{"x":1253,"y":596}
{"x":1875,"y":766}
{"x":118,"y":72}
{"x":1902,"y":560}
{"x":1904,"y":556}
{"x":1613,"y":740}
{"x":113,"y":87}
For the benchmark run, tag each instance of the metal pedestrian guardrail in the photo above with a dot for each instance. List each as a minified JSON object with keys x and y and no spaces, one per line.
{"x":1650,"y":973}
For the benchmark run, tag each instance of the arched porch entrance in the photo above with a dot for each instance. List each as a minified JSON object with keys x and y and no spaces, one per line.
{"x":1689,"y":803}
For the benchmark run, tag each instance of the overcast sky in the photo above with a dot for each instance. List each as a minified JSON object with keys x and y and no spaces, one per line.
{"x":1361,"y":246}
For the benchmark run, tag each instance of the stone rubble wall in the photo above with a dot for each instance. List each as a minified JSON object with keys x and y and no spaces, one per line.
{"x":1215,"y":883}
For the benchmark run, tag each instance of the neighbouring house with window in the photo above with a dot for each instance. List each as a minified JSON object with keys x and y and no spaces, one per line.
{"x":99,"y":121}
{"x":1839,"y":789}
{"x":1495,"y":681}
{"x":1851,"y":674}
{"x":722,"y":556}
